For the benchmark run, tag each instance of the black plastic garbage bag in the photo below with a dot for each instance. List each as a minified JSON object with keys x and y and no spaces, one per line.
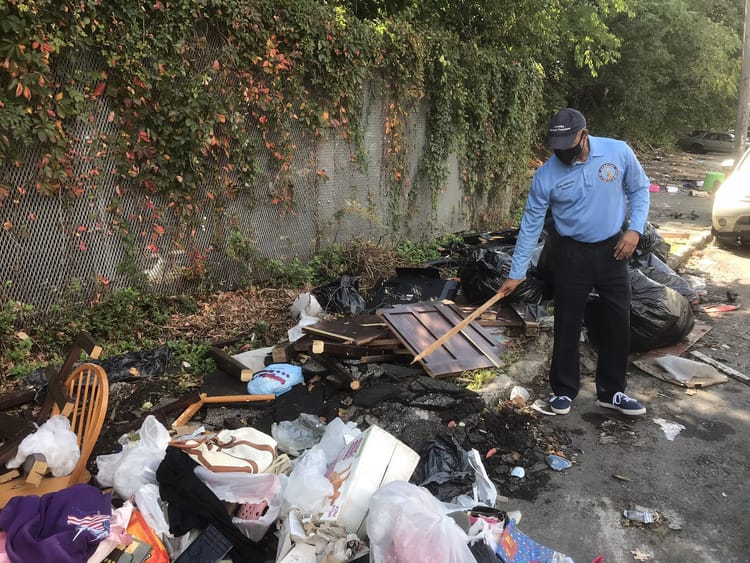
{"x":659,"y":315}
{"x":444,"y":468}
{"x":125,"y":367}
{"x":657,"y":270}
{"x":341,"y":296}
{"x":143,"y":363}
{"x":485,"y":269}
{"x":651,"y":242}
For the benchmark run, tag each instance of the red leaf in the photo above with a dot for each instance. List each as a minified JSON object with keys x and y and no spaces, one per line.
{"x":216,"y":65}
{"x":152,"y":247}
{"x":159,"y":229}
{"x":81,"y":229}
{"x":99,"y":90}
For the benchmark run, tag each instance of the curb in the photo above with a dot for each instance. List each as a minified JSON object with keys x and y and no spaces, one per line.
{"x":696,"y":242}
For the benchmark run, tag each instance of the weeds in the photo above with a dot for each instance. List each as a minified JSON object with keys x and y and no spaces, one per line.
{"x":134,"y":319}
{"x":478,"y":378}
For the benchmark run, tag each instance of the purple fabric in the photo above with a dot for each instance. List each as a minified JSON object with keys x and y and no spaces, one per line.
{"x":64,"y":527}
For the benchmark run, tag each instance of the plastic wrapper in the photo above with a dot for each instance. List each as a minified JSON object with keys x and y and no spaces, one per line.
{"x":485,"y":269}
{"x":406,"y":524}
{"x":295,"y":436}
{"x":444,"y":469}
{"x":56,"y":442}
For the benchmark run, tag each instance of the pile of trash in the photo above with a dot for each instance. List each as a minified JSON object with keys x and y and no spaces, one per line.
{"x":308,"y":492}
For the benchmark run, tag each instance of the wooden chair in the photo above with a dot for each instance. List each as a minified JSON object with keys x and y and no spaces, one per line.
{"x":88,"y":389}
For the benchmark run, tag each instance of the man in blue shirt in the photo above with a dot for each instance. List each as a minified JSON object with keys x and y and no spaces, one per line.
{"x":587,"y":185}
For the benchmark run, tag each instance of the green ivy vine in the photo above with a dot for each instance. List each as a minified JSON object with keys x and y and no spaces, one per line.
{"x":186,"y":85}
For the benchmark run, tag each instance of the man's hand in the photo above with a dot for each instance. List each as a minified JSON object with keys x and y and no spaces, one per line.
{"x":626,"y":245}
{"x":508,"y":287}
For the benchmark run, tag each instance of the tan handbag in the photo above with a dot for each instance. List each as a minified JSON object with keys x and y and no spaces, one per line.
{"x":245,"y":449}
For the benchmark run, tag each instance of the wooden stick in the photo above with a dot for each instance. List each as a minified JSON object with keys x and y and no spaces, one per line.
{"x":458,"y":328}
{"x":187,"y":414}
{"x":229,"y":365}
{"x":721,"y":367}
{"x":235,"y":398}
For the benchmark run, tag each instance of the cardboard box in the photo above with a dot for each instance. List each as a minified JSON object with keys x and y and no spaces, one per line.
{"x":370,"y":461}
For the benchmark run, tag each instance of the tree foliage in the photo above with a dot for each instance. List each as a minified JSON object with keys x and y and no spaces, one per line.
{"x":678,"y":69}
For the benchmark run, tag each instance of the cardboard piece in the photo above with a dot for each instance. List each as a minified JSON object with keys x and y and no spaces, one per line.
{"x":368,"y":462}
{"x":689,"y":372}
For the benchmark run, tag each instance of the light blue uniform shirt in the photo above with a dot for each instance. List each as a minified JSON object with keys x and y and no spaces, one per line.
{"x":588,"y":199}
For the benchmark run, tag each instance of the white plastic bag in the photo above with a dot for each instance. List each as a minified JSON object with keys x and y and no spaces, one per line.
{"x":136,"y":465}
{"x":337,"y":436}
{"x":247,"y":488}
{"x":309,"y":312}
{"x":56,"y":442}
{"x":406,"y":524}
{"x":308,"y":489}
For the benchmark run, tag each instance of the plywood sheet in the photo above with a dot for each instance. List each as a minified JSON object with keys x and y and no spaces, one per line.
{"x":421,"y":324}
{"x":358,"y":330}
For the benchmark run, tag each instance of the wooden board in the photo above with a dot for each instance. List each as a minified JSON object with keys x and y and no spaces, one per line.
{"x":645,"y":361}
{"x":419,"y":325}
{"x":358,"y":330}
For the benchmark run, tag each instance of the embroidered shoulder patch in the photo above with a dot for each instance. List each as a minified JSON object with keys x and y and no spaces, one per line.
{"x":608,"y":172}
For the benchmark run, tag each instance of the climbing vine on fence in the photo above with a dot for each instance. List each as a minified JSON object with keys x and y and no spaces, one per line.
{"x":186,"y":85}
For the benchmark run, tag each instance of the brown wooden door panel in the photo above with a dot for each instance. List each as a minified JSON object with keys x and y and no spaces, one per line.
{"x":419,"y":325}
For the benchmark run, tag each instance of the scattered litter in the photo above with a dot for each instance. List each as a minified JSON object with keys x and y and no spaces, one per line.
{"x":518,"y":471}
{"x":516,"y":547}
{"x":542,"y":406}
{"x":689,"y":372}
{"x":639,"y":555}
{"x":558,"y":463}
{"x":673,"y":519}
{"x":641,"y":515}
{"x":720,"y":308}
{"x":275,"y":379}
{"x":671,"y":429}
{"x":519,"y":395}
{"x":621,"y":477}
{"x":721,"y":367}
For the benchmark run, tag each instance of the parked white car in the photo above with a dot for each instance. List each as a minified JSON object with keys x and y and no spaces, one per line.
{"x":730,"y":216}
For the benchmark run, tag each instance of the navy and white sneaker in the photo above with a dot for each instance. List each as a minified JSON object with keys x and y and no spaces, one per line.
{"x":624,"y":404}
{"x":560,"y":404}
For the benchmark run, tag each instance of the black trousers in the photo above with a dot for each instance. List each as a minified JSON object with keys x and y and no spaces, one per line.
{"x":578,"y":269}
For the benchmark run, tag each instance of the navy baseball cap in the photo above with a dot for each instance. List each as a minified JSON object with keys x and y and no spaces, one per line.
{"x":564,"y":127}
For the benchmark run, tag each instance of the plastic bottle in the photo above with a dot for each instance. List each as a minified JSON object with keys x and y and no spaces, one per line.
{"x":643,"y":516}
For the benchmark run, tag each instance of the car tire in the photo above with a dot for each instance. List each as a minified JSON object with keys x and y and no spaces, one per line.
{"x":725,"y":243}
{"x":697,"y":147}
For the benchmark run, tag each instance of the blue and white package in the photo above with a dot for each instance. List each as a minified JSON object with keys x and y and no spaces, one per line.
{"x":275,"y":379}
